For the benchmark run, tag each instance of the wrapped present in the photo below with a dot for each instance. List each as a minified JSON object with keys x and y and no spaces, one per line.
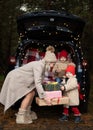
{"x":53,"y":94}
{"x":51,"y":86}
{"x":55,"y":101}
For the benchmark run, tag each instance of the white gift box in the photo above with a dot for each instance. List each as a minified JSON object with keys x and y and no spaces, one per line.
{"x":54,"y":101}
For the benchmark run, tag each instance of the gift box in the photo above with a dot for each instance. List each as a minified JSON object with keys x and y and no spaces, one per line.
{"x":51,"y":86}
{"x":54,"y":101}
{"x":53,"y":94}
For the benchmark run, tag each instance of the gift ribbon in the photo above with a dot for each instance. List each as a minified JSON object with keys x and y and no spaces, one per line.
{"x":58,"y":100}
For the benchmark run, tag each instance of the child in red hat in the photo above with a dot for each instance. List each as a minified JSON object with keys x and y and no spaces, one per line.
{"x":70,"y":89}
{"x":61,"y":65}
{"x":64,"y":54}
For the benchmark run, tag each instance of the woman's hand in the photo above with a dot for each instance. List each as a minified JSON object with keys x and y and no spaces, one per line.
{"x":48,"y":101}
{"x":62,"y":87}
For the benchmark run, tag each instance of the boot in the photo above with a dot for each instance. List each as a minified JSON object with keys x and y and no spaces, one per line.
{"x":77,"y":119}
{"x":32,"y":114}
{"x":22,"y":117}
{"x":63,"y":118}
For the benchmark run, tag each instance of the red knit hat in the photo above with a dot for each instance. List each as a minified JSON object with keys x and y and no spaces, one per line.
{"x":71,"y":69}
{"x":63,"y":53}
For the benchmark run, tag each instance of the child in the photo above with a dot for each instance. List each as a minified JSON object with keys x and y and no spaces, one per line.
{"x":70,"y":89}
{"x":60,"y":66}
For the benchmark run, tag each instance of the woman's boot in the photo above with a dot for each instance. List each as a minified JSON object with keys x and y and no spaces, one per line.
{"x":32,"y":114}
{"x":22,"y":117}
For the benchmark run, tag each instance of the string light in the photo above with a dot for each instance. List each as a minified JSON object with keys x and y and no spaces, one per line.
{"x":49,"y":33}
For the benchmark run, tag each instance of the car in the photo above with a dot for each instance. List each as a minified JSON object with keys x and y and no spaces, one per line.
{"x":60,"y":29}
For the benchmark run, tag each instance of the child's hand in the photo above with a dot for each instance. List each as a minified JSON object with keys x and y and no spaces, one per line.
{"x":48,"y":101}
{"x":63,"y":81}
{"x":58,"y":70}
{"x":64,"y":76}
{"x":62,"y":87}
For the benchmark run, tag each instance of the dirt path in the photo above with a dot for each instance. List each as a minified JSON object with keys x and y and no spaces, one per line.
{"x":47,"y":120}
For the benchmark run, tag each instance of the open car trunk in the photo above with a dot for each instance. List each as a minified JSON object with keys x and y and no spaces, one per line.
{"x":63,"y":30}
{"x":50,"y":25}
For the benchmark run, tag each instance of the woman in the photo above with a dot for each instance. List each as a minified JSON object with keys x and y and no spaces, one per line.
{"x":22,"y":82}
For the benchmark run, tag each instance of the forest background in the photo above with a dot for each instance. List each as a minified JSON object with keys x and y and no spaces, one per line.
{"x":10,"y":9}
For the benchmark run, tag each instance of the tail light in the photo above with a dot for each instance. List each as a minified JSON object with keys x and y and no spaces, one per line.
{"x":12,"y":60}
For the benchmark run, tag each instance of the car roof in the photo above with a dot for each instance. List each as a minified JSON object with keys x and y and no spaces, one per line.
{"x":50,"y":25}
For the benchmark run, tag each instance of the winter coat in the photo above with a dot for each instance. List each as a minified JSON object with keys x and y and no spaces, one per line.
{"x":71,"y":90}
{"x":60,"y":66}
{"x":21,"y":81}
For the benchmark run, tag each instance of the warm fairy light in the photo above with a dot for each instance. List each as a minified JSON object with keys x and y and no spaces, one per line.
{"x":52,"y":19}
{"x":64,"y":23}
{"x":84,"y":63}
{"x":84,"y":82}
{"x":83,"y":88}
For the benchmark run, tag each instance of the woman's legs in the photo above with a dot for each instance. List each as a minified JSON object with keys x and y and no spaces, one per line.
{"x":23,"y":117}
{"x":30,"y":113}
{"x":27,"y":101}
